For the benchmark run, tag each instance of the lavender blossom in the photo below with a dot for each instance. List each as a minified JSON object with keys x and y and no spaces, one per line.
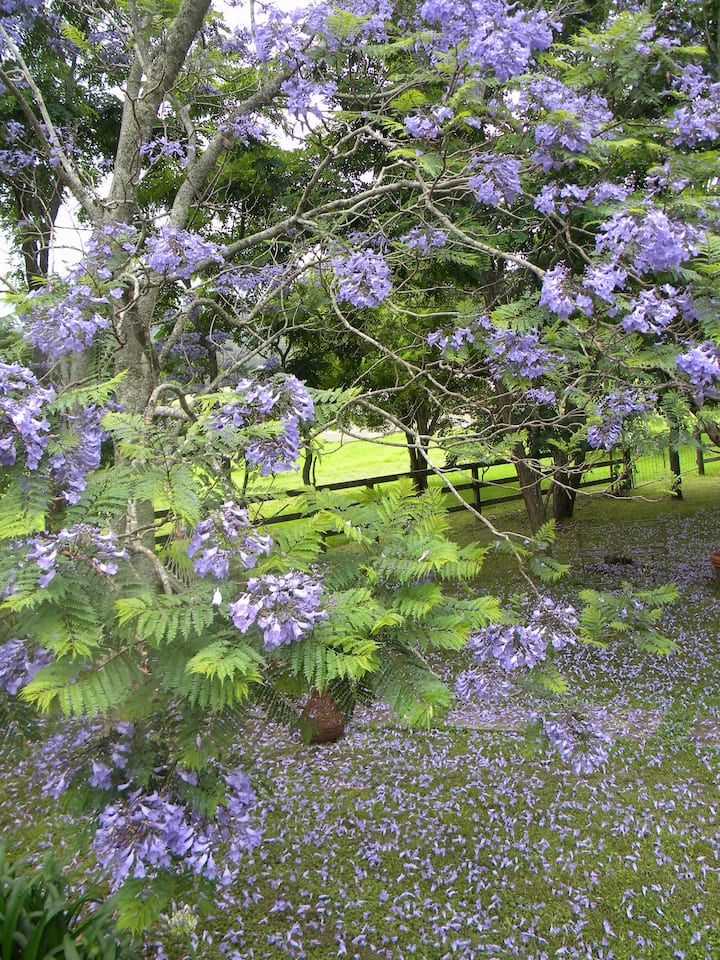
{"x":651,"y":243}
{"x":614,"y":410}
{"x":554,"y":293}
{"x":423,"y":238}
{"x":180,"y":253}
{"x":649,"y":312}
{"x":521,"y":354}
{"x":488,"y":34}
{"x":66,"y":317}
{"x":284,"y":607}
{"x":18,"y":665}
{"x":76,"y":452}
{"x":81,"y":543}
{"x":224,"y":536}
{"x":498,"y":181}
{"x":22,"y":416}
{"x":363,"y":278}
{"x":550,"y":626}
{"x":701,"y":365}
{"x":282,"y":400}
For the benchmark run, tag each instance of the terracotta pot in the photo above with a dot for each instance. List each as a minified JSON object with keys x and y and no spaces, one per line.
{"x":324,"y":717}
{"x":715,"y":561}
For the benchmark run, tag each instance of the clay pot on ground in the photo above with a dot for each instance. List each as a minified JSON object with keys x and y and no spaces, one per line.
{"x":325,"y":719}
{"x":715,"y":561}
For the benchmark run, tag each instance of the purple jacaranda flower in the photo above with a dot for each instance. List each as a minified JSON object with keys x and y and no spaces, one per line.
{"x":285,"y":608}
{"x":363,"y":278}
{"x":224,"y":536}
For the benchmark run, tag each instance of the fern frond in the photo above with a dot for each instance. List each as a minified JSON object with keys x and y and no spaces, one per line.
{"x":225,"y":660}
{"x":411,"y":688}
{"x":84,"y":689}
{"x":163,"y":619}
{"x":70,"y":629}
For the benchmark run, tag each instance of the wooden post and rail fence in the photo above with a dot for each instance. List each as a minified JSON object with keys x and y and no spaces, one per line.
{"x":616,"y":472}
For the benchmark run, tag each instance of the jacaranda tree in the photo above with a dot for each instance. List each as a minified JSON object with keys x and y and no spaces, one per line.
{"x":474,"y":169}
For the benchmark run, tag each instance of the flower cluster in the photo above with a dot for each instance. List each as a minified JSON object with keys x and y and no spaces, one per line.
{"x":554,"y":198}
{"x":498,"y":180}
{"x":283,"y":399}
{"x":363,"y":278}
{"x":77,"y":451}
{"x":698,"y":121}
{"x":488,"y":34}
{"x":428,"y":126}
{"x":423,"y":238}
{"x":146,"y":833}
{"x":653,"y":310}
{"x":573,"y":118}
{"x":522,"y":646}
{"x":516,"y":354}
{"x":454,"y":341}
{"x":65,"y":317}
{"x":520,"y":354}
{"x":284,"y":607}
{"x":18,"y":665}
{"x":614,"y":410}
{"x":501,"y":651}
{"x":21,"y":415}
{"x":16,"y":154}
{"x":701,"y":365}
{"x":603,"y":279}
{"x":163,"y":147}
{"x":555,"y":295}
{"x":80,"y":543}
{"x":179,"y":252}
{"x":224,"y":536}
{"x":652,"y":242}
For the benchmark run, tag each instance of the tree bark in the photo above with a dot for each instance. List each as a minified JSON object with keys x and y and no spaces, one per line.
{"x":529,"y":473}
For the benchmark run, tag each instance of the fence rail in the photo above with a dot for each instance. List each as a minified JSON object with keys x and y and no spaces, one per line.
{"x":612,"y":471}
{"x":476,"y":485}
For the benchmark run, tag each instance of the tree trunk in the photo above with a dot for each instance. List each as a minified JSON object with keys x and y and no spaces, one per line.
{"x":418,"y":462}
{"x":566,"y":481}
{"x":530,"y":476}
{"x":674,"y":459}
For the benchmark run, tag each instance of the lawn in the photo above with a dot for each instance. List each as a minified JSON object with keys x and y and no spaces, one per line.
{"x":463,"y":842}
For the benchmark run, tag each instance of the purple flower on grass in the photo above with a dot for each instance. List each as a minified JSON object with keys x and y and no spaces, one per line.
{"x":580,"y":741}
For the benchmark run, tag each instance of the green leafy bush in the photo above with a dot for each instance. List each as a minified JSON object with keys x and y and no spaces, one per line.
{"x":38,"y":921}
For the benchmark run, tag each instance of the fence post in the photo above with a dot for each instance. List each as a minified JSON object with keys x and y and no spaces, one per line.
{"x":675,"y":468}
{"x":699,"y":455}
{"x":477,"y":502}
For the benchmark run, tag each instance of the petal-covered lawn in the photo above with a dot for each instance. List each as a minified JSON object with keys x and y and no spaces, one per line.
{"x":465,"y":841}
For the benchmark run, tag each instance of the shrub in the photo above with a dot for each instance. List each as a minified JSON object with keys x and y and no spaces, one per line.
{"x":38,"y":921}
